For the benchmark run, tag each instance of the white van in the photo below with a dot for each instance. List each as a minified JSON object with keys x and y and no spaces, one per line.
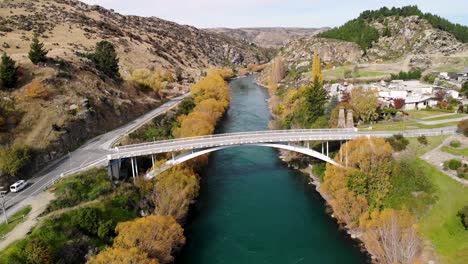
{"x":18,"y":186}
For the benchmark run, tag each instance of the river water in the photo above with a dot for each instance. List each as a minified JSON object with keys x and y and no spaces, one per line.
{"x":253,"y":208}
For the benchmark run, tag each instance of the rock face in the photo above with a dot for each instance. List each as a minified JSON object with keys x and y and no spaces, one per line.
{"x":411,"y":35}
{"x":268,"y":37}
{"x":299,"y":53}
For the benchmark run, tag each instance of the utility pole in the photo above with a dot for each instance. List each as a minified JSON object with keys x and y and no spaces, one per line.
{"x":3,"y":194}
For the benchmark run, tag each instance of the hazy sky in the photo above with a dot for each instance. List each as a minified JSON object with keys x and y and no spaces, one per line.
{"x":272,"y":13}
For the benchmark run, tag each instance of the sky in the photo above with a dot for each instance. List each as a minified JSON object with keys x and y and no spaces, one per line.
{"x":273,"y":13}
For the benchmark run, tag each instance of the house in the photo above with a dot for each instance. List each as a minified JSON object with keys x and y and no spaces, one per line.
{"x":419,"y":102}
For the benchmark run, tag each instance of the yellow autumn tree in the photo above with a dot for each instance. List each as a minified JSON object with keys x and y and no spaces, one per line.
{"x":116,"y":255}
{"x":174,"y":190}
{"x":317,"y":69}
{"x":147,"y":79}
{"x":195,"y":124}
{"x":365,"y":103}
{"x":213,"y":86}
{"x":390,"y":235}
{"x":158,"y":236}
{"x":215,"y":109}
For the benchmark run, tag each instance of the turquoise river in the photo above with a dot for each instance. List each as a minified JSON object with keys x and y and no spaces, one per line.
{"x":253,"y":208}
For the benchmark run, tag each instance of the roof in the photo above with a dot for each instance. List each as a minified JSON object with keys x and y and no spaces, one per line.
{"x":416,"y":99}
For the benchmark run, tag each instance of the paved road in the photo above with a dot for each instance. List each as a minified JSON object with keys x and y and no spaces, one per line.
{"x":92,"y":154}
{"x":441,"y":121}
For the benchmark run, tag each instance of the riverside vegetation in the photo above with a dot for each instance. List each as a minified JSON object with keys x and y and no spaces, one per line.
{"x":126,"y":223}
{"x":387,"y":201}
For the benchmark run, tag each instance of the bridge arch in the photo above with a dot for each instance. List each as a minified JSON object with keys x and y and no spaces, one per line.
{"x":193,"y":154}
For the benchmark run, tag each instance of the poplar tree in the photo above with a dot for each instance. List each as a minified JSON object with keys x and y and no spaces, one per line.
{"x":8,"y":71}
{"x":37,"y":53}
{"x":317,"y":70}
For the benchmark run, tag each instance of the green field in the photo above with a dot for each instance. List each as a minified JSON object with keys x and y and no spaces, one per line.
{"x":14,"y":220}
{"x":441,"y":225}
{"x":419,"y":149}
{"x":456,"y":151}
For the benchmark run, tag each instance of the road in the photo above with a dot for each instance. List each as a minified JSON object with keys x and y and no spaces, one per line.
{"x":92,"y":154}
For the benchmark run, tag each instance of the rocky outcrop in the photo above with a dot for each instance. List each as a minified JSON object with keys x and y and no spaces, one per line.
{"x":298,"y":53}
{"x":410,"y":35}
{"x":268,"y":37}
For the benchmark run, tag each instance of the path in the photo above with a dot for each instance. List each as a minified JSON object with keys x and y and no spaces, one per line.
{"x":436,"y":158}
{"x":438,"y":122}
{"x":437,"y":116}
{"x":38,"y":206}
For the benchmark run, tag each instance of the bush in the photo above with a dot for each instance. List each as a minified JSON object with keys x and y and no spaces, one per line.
{"x":463,"y":214}
{"x":422,"y":140}
{"x":38,"y":252}
{"x":462,"y":172}
{"x":429,"y":78}
{"x":15,"y":159}
{"x":37,"y":90}
{"x":455,"y":144}
{"x":452,"y":164}
{"x":398,"y":142}
{"x":410,"y":75}
{"x":463,"y":127}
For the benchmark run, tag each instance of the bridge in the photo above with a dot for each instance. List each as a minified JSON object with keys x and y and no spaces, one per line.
{"x":280,"y":139}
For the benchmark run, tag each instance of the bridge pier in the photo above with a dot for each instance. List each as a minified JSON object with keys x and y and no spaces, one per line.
{"x":113,"y":169}
{"x":134,"y":164}
{"x":327,"y":150}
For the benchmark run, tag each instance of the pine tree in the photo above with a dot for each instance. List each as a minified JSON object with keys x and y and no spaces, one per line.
{"x":37,"y":53}
{"x":8,"y":71}
{"x":106,"y":59}
{"x":313,"y":106}
{"x":317,"y":70}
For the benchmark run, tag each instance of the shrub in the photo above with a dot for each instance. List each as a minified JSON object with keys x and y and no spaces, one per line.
{"x":37,"y":90}
{"x":38,"y":252}
{"x":463,"y":127}
{"x":410,"y":75}
{"x":429,"y":78}
{"x":8,"y":72}
{"x":398,"y":142}
{"x":462,"y":172}
{"x":463,"y":214}
{"x":455,"y":144}
{"x":452,"y":164}
{"x":15,"y":159}
{"x":422,"y":140}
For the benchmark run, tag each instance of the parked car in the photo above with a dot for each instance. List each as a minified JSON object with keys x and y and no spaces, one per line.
{"x":18,"y":186}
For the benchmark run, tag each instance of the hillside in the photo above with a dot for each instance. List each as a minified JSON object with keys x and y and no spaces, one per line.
{"x":275,"y":37}
{"x":79,"y":102}
{"x":390,"y":33}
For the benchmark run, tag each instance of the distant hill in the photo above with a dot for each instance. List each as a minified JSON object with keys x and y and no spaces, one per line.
{"x":362,"y":30}
{"x":274,"y":37}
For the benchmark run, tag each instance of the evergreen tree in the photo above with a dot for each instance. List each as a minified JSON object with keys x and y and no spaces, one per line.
{"x":106,"y":59}
{"x":313,"y":106}
{"x":8,"y":71}
{"x":37,"y":53}
{"x":317,"y":70}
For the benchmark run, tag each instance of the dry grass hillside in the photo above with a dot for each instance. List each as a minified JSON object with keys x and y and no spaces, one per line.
{"x":58,"y":104}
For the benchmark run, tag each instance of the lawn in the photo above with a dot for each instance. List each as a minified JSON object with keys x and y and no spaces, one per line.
{"x":14,"y":220}
{"x":419,"y":149}
{"x":441,"y":225}
{"x":419,"y":114}
{"x":456,"y":151}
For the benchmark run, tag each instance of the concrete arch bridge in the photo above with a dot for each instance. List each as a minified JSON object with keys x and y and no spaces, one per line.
{"x":281,"y":139}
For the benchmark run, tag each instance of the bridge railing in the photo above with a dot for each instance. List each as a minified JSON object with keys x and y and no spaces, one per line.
{"x":237,"y":134}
